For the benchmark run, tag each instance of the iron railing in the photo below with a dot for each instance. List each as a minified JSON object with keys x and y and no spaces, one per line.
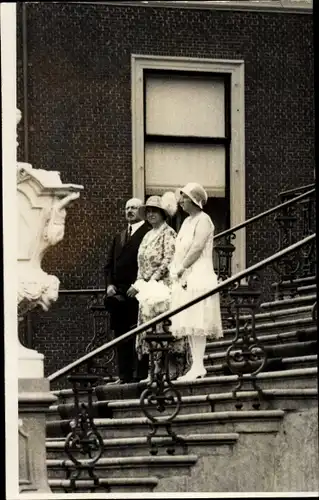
{"x":224,"y":248}
{"x":95,"y":306}
{"x":246,"y":357}
{"x":233,"y":281}
{"x":101,"y":330}
{"x":225,"y":241}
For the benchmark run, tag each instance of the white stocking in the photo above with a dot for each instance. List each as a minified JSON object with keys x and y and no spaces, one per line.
{"x":191,"y":347}
{"x":199,"y":345}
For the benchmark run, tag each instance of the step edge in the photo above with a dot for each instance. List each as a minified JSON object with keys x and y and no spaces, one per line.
{"x":213,"y":438}
{"x":112,"y":481}
{"x":288,"y":345}
{"x":132,"y":460}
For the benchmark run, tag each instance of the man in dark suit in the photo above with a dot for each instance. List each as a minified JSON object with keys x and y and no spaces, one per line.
{"x":120,"y":273}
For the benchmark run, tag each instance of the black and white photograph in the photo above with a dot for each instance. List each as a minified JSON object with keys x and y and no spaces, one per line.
{"x":159,"y":249}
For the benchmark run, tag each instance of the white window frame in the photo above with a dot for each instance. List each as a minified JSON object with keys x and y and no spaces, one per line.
{"x":235,"y":68}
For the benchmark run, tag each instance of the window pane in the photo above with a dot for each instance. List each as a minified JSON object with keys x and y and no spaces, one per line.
{"x":185,"y":106}
{"x":170,"y":166}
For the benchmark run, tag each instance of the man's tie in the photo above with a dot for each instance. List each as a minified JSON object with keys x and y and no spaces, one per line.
{"x":129,"y":233}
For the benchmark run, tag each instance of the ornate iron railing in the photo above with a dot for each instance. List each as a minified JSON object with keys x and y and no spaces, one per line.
{"x":246,"y":357}
{"x":293,"y":203}
{"x":286,"y":220}
{"x":101,"y":330}
{"x":84,"y":439}
{"x":94,"y":304}
{"x":224,"y":247}
{"x":88,"y":315}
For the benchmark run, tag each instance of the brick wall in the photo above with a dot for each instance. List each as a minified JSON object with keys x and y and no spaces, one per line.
{"x":80,"y":123}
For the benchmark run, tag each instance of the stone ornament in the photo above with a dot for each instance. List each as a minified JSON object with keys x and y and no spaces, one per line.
{"x":26,"y":465}
{"x":42,"y":202}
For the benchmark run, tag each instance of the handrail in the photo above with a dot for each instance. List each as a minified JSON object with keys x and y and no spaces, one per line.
{"x":263,"y":214}
{"x":87,"y":291}
{"x":294,"y":190}
{"x":166,"y":315}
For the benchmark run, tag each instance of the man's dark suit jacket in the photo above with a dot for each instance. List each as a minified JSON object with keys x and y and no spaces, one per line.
{"x":121,"y":271}
{"x":121,"y":265}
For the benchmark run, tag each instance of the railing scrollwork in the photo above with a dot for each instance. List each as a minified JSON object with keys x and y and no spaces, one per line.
{"x":161,"y":400}
{"x":84,"y":439}
{"x":246,"y":355}
{"x":224,"y":250}
{"x":160,"y":395}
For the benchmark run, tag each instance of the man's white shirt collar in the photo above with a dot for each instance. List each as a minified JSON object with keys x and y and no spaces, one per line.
{"x":136,"y":226}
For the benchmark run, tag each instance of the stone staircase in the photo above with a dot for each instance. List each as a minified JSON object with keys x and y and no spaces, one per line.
{"x":268,"y":445}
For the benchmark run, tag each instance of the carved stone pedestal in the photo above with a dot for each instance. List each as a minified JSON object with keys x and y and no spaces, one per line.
{"x":42,"y":201}
{"x":34,"y":401}
{"x":30,"y":363}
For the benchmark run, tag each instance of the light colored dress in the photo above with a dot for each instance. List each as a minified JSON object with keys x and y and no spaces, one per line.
{"x":196,"y":234}
{"x":154,"y":257}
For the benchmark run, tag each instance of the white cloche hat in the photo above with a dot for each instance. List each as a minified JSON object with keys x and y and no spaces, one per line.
{"x":196,"y":193}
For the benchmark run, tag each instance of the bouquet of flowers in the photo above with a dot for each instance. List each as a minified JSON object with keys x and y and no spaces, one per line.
{"x":154,"y":297}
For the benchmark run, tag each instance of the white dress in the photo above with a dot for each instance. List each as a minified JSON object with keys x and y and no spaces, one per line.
{"x":196,"y":235}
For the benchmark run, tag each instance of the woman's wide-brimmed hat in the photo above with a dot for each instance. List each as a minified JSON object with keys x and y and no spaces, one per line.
{"x":196,"y":193}
{"x":167,"y":203}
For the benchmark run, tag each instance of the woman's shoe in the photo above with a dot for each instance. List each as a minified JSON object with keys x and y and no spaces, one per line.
{"x":192,"y":375}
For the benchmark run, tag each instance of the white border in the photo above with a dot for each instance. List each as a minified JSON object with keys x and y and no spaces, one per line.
{"x":8,"y":82}
{"x":237,"y":150}
{"x":164,"y":494}
{"x":9,"y":206}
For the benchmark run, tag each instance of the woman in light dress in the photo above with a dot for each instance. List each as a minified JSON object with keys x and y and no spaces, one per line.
{"x":152,"y":286}
{"x":193,"y":274}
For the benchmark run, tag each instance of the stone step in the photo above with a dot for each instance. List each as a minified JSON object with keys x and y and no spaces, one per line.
{"x":272,"y":350}
{"x":138,"y":446}
{"x":65,"y":396}
{"x":287,"y":303}
{"x":111,"y":409}
{"x":199,"y":423}
{"x":225,"y":422}
{"x":110,"y":485}
{"x":307,"y":289}
{"x":290,"y":289}
{"x":301,"y":334}
{"x":273,"y":399}
{"x":302,"y":329}
{"x":272,"y":364}
{"x":294,"y":378}
{"x":280,"y":399}
{"x":274,"y":326}
{"x":190,"y":403}
{"x":53,"y":413}
{"x":129,"y":467}
{"x":309,"y":280}
{"x":305,"y":361}
{"x":302,"y":377}
{"x":286,"y":313}
{"x":285,"y":398}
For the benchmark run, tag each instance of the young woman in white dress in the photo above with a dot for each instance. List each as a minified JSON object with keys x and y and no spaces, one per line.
{"x":193,"y":274}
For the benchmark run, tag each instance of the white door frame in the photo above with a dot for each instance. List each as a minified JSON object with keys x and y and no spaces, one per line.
{"x":237,"y":147}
